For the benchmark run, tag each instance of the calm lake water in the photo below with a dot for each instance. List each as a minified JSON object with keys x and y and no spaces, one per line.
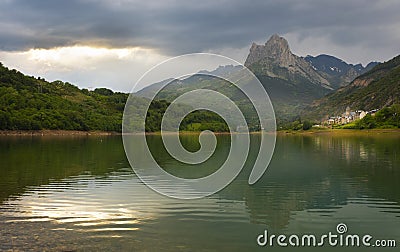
{"x":79,"y":193}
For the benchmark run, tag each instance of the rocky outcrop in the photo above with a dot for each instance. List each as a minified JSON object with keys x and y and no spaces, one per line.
{"x":275,"y":59}
{"x":362,"y":82}
{"x":276,"y":50}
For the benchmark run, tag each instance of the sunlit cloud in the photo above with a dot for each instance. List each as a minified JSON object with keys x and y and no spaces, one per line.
{"x":74,"y":53}
{"x":85,"y":66}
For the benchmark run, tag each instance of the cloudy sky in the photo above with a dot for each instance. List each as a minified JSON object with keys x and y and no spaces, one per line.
{"x":111,"y":43}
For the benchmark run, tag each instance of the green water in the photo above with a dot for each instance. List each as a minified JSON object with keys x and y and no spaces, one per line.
{"x":79,"y":194}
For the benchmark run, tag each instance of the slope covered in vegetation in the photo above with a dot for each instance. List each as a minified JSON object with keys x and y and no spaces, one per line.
{"x":28,"y":103}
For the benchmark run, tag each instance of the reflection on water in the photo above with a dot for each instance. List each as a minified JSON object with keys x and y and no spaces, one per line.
{"x":78,"y":193}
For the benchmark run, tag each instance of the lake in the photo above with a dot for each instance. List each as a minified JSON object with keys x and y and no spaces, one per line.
{"x":67,"y":193}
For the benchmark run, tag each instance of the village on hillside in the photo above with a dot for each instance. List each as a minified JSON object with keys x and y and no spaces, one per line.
{"x":349,"y":116}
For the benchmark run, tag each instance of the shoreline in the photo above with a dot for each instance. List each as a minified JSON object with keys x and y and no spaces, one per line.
{"x":111,"y":133}
{"x":56,"y":133}
{"x":340,"y":132}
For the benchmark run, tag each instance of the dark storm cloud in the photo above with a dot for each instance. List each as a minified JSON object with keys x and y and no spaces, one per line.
{"x":190,"y":26}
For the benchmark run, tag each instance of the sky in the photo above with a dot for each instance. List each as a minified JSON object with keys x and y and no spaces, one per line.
{"x":112,"y":43}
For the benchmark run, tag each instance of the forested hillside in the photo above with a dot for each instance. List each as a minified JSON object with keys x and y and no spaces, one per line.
{"x":28,"y":103}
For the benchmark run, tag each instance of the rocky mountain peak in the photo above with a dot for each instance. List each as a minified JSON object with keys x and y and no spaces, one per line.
{"x":274,"y":59}
{"x":277,"y":45}
{"x":276,"y":49}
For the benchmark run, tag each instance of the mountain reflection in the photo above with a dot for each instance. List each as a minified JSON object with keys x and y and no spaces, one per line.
{"x":320,"y":172}
{"x":83,"y":188}
{"x":33,"y":161}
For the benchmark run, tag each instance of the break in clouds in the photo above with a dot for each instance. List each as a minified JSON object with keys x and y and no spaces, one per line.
{"x":356,"y":31}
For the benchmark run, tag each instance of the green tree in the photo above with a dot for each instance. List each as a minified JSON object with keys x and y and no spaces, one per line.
{"x":307,"y":125}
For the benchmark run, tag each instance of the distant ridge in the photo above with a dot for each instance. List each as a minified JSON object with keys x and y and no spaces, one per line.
{"x":338,"y":72}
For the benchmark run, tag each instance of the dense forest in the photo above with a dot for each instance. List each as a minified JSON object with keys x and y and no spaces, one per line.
{"x":29,"y":103}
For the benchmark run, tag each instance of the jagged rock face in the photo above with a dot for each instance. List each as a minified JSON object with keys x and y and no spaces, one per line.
{"x":276,"y":50}
{"x":275,"y":59}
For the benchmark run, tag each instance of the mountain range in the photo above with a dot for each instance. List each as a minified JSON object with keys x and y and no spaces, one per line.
{"x":311,"y":88}
{"x":275,"y":59}
{"x":338,"y":72}
{"x":292,"y":82}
